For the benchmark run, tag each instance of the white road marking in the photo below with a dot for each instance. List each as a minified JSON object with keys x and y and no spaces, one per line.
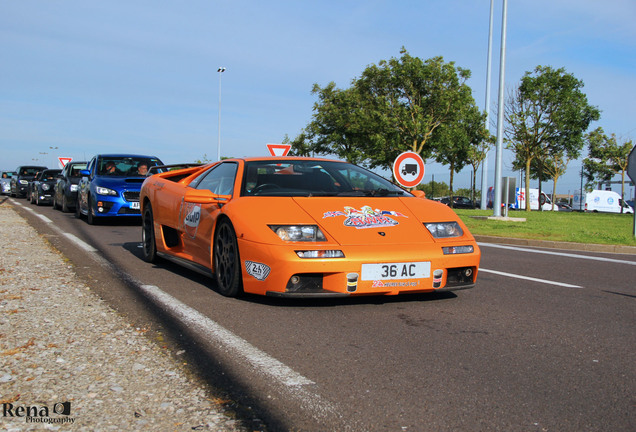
{"x":564,"y":254}
{"x":516,"y":276}
{"x":293,"y":382}
{"x":198,"y":321}
{"x":78,"y":242}
{"x":41,"y":216}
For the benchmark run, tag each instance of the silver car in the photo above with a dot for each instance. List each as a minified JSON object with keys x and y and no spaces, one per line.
{"x":5,"y":182}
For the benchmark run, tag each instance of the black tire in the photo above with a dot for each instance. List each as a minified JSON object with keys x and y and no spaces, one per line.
{"x":227,"y":264}
{"x":78,"y":213}
{"x":148,"y":240}
{"x":65,"y":208}
{"x":90,"y":214}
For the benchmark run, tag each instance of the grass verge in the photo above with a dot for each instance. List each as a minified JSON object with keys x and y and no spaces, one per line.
{"x":599,"y":228}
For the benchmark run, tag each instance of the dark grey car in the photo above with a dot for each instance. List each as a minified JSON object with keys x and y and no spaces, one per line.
{"x":65,"y":196}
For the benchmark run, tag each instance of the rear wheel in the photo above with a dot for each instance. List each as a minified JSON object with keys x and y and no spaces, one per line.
{"x":148,"y":235}
{"x":227,"y":267}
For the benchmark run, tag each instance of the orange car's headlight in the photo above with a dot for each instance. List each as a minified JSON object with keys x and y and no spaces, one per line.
{"x":305,"y":233}
{"x":444,"y":229}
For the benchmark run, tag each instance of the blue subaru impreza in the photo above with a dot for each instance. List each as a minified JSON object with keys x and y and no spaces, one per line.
{"x":110,"y":186}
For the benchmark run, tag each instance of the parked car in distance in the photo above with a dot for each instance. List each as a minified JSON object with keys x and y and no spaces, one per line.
{"x":43,"y":187}
{"x":110,"y":186}
{"x":564,"y":207}
{"x":24,"y":175}
{"x":65,"y":194}
{"x":5,"y":182}
{"x":459,"y":202}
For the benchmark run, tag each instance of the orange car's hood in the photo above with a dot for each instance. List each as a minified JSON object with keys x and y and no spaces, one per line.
{"x":364,"y":221}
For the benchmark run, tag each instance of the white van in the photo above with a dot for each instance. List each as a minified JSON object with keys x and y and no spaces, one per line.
{"x":520,"y":202}
{"x":600,"y":201}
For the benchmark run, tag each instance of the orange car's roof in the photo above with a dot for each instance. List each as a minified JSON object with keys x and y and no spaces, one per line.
{"x":283,"y":158}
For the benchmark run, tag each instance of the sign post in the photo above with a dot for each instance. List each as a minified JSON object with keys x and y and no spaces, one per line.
{"x":408,"y":169}
{"x":631,"y":172}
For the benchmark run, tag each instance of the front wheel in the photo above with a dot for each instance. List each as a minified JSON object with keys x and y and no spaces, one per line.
{"x":148,"y":235}
{"x":65,"y":208}
{"x":90,"y":216}
{"x":227,"y":264}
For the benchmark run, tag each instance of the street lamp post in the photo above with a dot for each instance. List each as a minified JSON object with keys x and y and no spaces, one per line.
{"x":218,"y":150}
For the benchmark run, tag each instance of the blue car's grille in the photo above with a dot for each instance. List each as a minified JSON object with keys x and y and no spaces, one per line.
{"x":131,"y":196}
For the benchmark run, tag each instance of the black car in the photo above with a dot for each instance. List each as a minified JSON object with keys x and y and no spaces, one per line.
{"x":38,"y":176}
{"x":65,"y":195}
{"x":459,"y":202}
{"x":24,"y":175}
{"x":43,"y":187}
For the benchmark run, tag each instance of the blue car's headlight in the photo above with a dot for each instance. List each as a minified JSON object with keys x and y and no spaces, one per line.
{"x":444,"y":229}
{"x":105,"y":191}
{"x":308,"y":233}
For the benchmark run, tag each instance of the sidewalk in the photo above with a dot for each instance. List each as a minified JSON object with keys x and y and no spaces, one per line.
{"x":69,"y":362}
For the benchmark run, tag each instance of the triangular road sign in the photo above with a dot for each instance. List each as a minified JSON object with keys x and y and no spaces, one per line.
{"x":278,"y":149}
{"x":64,"y":160}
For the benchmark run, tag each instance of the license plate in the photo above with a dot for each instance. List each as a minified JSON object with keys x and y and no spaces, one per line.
{"x":395,"y":271}
{"x":134,"y":205}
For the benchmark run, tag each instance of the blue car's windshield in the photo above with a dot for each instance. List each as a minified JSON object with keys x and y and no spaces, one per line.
{"x":129,"y":166}
{"x":313,"y":178}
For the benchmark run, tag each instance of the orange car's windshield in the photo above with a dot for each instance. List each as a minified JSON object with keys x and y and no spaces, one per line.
{"x":314,"y":178}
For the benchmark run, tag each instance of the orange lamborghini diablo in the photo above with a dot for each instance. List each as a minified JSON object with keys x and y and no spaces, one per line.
{"x":296,"y":227}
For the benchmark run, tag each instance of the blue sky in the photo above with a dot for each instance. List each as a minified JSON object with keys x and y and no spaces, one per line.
{"x":141,"y":76}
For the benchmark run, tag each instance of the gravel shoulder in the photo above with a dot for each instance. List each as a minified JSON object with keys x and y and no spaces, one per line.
{"x":70,"y":362}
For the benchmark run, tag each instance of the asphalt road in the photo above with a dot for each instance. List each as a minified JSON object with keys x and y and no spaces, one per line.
{"x":546,"y":341}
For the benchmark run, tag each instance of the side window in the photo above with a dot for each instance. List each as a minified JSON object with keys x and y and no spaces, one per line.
{"x":220,"y":179}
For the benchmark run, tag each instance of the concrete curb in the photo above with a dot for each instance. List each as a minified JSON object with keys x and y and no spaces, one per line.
{"x":586,"y":247}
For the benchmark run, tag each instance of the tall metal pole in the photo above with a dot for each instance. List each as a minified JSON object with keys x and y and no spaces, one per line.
{"x":500,"y":112}
{"x":484,"y":164}
{"x":218,"y":150}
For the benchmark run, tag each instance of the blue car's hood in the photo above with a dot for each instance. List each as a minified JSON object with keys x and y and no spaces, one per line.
{"x":119,"y":183}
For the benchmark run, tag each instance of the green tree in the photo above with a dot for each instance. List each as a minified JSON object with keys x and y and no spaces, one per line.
{"x":546,"y":116}
{"x":397,"y":105}
{"x":434,"y":189}
{"x":340,"y":126}
{"x":606,"y":158}
{"x":555,"y":168}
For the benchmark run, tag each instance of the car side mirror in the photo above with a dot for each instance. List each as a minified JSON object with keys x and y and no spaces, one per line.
{"x":419,"y":193}
{"x":205,"y":196}
{"x":85,"y":173}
